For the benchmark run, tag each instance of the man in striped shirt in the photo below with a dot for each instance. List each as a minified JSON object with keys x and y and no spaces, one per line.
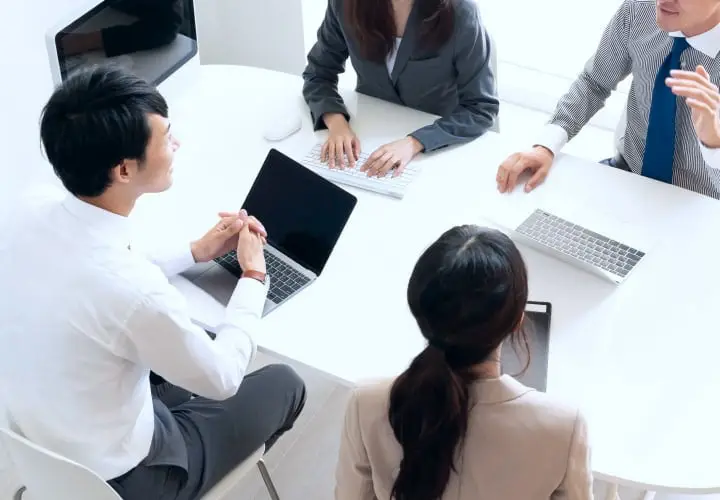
{"x":646,"y":38}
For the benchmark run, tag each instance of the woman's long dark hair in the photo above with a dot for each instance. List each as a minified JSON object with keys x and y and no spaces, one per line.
{"x":373,"y":24}
{"x":468,"y":293}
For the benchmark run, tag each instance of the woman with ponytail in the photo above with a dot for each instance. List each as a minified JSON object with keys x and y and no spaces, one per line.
{"x":452,"y":426}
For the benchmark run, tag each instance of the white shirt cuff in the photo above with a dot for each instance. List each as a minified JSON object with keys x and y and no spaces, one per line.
{"x":711,"y":156}
{"x":552,"y":137}
{"x":249,"y":296}
{"x":173,"y":260}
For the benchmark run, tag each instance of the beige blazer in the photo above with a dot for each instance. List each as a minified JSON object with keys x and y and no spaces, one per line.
{"x":521,"y":445}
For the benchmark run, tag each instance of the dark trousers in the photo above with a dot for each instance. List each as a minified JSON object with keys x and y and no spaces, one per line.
{"x":616,"y":162}
{"x":218,"y":435}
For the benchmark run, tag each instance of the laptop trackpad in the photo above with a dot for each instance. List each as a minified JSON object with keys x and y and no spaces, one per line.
{"x":217,"y":282}
{"x":220,"y":285}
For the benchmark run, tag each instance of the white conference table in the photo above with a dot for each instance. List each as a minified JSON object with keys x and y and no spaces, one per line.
{"x":640,"y":359}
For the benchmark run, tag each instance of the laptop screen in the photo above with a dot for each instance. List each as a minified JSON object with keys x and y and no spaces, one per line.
{"x":303,"y":213}
{"x":151,"y":38}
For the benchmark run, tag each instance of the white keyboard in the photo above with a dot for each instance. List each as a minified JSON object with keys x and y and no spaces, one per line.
{"x":388,"y":185}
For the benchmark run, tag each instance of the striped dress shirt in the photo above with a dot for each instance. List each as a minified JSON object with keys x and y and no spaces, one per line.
{"x":634,"y":44}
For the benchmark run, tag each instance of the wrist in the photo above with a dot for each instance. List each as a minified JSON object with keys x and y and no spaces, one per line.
{"x":334,"y":120}
{"x":715,"y":144}
{"x":416,"y":145}
{"x":198,"y":251}
{"x":260,"y":276}
{"x":544,"y":150}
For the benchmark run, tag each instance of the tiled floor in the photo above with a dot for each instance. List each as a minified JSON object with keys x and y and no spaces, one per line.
{"x":302,"y":462}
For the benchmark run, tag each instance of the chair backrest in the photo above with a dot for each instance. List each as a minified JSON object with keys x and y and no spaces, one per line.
{"x":49,"y":476}
{"x":494,"y":68}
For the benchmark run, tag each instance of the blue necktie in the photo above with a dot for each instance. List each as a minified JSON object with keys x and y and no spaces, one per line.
{"x":660,"y":142}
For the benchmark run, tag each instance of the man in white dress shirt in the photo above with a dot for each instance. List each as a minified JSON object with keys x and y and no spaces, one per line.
{"x":671,"y":128}
{"x":99,"y":358}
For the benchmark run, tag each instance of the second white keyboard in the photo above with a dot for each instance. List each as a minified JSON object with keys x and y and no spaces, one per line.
{"x":388,"y":185}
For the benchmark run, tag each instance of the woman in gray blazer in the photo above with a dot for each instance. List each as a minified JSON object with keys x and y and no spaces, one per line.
{"x":432,"y":55}
{"x":452,"y":427}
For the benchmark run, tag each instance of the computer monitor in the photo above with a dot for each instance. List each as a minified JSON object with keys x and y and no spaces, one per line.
{"x":155,"y":39}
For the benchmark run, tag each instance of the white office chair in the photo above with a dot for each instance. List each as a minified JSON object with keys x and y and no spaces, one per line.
{"x":494,"y":68}
{"x":49,"y":476}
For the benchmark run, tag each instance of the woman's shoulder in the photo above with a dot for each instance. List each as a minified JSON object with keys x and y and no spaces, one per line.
{"x":375,"y":392}
{"x":466,"y":9}
{"x":536,"y":406}
{"x":368,"y":404}
{"x":336,"y":5}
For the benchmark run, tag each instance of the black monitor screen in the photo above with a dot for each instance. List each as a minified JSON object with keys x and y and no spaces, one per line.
{"x":151,"y":38}
{"x":302,"y":212}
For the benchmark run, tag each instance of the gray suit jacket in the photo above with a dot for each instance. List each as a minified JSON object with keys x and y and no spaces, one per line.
{"x":454,"y":81}
{"x":520,"y":445}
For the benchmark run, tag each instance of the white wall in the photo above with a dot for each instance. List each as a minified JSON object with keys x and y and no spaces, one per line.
{"x":541,"y":53}
{"x":265,"y":34}
{"x":25,"y":84}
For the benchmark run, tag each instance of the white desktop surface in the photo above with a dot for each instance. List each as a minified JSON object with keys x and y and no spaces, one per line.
{"x":640,"y":359}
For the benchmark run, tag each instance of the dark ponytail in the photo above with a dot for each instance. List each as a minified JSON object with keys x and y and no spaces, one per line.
{"x":467,"y":293}
{"x":429,"y":406}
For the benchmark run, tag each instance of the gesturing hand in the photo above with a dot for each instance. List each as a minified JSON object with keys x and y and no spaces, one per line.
{"x":395,"y":155}
{"x":703,"y":98}
{"x":223,"y":237}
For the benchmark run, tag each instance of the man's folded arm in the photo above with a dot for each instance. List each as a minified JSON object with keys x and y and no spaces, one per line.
{"x":161,"y":336}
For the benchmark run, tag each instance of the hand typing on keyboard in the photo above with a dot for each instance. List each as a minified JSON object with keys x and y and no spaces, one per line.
{"x":342,"y":143}
{"x":394,"y":156}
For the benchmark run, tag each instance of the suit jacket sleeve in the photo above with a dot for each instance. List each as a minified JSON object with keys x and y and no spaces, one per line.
{"x":326,"y":61}
{"x":353,"y":476}
{"x":578,"y":482}
{"x":610,"y":64}
{"x":478,"y":104}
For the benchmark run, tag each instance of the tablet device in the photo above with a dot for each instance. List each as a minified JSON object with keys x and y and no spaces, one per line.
{"x":514,"y":358}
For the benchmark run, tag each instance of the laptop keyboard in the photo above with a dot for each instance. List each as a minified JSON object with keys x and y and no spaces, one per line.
{"x":387,"y":185}
{"x":580,"y":243}
{"x":284,"y":280}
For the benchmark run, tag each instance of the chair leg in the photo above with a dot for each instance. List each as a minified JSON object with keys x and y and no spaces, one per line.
{"x":267,"y":480}
{"x":612,"y":492}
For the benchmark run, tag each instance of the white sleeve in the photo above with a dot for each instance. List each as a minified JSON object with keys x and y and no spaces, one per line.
{"x":172,"y":259}
{"x":552,"y":137}
{"x":711,"y":156}
{"x":161,"y":336}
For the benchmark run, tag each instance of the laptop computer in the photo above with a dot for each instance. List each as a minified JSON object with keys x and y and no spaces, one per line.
{"x":580,"y":235}
{"x":304,"y":215}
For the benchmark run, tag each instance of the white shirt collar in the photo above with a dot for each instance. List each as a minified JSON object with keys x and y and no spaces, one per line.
{"x":708,"y":43}
{"x":108,"y":227}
